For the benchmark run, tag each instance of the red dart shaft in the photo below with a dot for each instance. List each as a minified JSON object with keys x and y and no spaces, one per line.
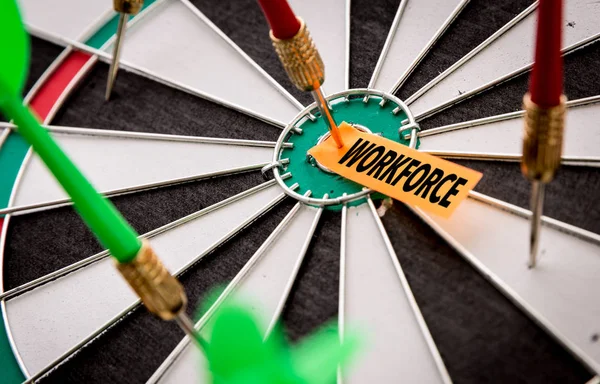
{"x":281,"y":18}
{"x":546,"y":81}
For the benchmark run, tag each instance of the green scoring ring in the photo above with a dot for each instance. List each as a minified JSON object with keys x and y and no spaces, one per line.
{"x":381,"y":113}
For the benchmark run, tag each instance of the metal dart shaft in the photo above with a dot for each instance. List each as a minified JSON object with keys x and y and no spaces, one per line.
{"x":114,"y":65}
{"x":326,"y":113}
{"x":537,"y":206}
{"x":187,"y":325}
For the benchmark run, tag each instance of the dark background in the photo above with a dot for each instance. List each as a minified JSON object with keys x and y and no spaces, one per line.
{"x":481,"y":336}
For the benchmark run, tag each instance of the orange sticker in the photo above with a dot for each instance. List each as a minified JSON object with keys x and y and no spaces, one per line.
{"x":436,"y":185}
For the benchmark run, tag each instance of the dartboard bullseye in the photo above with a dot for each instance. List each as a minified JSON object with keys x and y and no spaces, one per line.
{"x":182,"y":113}
{"x":377,"y":113}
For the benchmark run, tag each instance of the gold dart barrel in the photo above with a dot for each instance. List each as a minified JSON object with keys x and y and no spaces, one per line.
{"x":301,"y":59}
{"x":161,"y":293}
{"x":130,"y":7}
{"x":306,"y":70}
{"x":542,"y":140}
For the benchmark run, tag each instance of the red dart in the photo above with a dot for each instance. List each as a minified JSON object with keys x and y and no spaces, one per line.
{"x":546,"y":80}
{"x":281,"y":18}
{"x":545,"y":107}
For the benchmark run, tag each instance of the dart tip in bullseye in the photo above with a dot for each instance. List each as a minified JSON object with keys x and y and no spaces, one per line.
{"x":114,"y":65}
{"x":323,"y":106}
{"x":537,"y":205}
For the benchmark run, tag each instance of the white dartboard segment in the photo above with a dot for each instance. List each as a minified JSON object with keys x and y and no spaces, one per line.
{"x":377,"y":300}
{"x":502,"y":136}
{"x":509,"y":52}
{"x":411,"y":38}
{"x":270,"y":274}
{"x":51,"y":319}
{"x":559,"y":292}
{"x":118,"y":162}
{"x":264,"y":283}
{"x":326,"y":22}
{"x":69,"y":19}
{"x":189,"y":366}
{"x":177,"y":44}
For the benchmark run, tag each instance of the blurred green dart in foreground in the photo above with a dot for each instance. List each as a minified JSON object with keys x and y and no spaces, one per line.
{"x":237,"y":354}
{"x":160,"y":292}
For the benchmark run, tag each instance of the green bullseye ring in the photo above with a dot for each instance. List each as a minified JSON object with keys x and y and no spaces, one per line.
{"x":388,"y":119}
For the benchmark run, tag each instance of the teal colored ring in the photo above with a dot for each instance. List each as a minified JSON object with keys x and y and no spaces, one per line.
{"x":408,"y":123}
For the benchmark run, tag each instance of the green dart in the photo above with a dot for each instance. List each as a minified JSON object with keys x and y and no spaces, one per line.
{"x":160,"y":292}
{"x":237,"y":354}
{"x":16,"y":52}
{"x":99,"y":214}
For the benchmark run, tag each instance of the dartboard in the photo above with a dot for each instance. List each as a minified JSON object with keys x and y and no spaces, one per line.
{"x":203,"y":148}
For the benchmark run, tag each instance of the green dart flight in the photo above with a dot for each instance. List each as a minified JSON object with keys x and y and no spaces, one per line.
{"x":237,"y":354}
{"x":99,"y":214}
